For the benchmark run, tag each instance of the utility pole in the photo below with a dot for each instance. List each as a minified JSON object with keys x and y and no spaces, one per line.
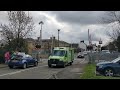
{"x":40,"y":39}
{"x":58,"y":36}
{"x":71,"y":43}
{"x":100,"y":42}
{"x":52,"y":44}
{"x":88,"y":37}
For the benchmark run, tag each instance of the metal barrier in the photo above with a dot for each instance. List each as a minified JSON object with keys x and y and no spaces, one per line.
{"x":98,"y":57}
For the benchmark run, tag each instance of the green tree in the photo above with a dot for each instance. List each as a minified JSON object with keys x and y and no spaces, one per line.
{"x":20,"y":27}
{"x":113,"y":18}
{"x":118,"y":43}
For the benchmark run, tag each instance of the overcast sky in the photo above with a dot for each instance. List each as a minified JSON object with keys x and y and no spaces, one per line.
{"x":73,"y":25}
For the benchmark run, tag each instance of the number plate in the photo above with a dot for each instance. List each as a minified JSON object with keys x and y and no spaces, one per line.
{"x":53,"y":64}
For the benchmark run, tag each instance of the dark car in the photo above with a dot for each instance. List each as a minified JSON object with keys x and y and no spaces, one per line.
{"x":109,"y":68}
{"x":22,"y":61}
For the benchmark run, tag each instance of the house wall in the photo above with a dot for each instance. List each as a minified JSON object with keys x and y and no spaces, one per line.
{"x":30,"y":47}
{"x":82,"y":46}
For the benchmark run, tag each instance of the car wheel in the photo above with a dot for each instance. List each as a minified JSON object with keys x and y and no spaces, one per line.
{"x":109,"y":72}
{"x":24,"y":65}
{"x":36,"y":64}
{"x":10,"y":67}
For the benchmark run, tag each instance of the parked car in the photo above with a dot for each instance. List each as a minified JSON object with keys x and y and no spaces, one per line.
{"x":80,"y":55}
{"x":22,"y":61}
{"x":109,"y":68}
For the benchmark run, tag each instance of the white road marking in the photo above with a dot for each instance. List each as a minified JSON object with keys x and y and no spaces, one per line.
{"x":21,"y":71}
{"x":49,"y":76}
{"x":82,"y":60}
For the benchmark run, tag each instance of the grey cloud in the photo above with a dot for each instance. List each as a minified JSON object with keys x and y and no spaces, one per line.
{"x":76,"y":22}
{"x":79,"y":17}
{"x":3,"y":17}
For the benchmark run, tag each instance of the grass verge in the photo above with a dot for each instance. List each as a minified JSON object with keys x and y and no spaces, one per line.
{"x":89,"y":73}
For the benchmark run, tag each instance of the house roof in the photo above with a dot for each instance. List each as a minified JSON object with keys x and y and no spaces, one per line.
{"x":43,"y":40}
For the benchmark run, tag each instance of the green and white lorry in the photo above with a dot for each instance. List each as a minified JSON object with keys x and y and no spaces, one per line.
{"x":61,"y":56}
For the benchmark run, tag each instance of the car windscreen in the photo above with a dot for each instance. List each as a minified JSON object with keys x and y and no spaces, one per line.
{"x":16,"y":57}
{"x":116,"y":60}
{"x":58,"y":53}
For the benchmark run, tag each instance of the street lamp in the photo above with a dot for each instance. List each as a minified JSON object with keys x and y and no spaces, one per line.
{"x":58,"y":36}
{"x":40,"y":39}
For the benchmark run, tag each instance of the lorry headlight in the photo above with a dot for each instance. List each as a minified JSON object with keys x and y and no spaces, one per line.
{"x":61,"y":59}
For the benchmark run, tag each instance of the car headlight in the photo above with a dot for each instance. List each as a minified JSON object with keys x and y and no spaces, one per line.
{"x":100,"y":66}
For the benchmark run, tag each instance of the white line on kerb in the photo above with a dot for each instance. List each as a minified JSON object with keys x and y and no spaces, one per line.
{"x":20,"y":71}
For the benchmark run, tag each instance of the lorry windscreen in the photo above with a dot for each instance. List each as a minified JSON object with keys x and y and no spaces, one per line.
{"x":58,"y":53}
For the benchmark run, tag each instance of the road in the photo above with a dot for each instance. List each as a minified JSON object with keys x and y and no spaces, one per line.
{"x":42,"y":71}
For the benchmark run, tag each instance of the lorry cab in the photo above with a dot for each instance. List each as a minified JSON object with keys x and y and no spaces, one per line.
{"x":61,"y":56}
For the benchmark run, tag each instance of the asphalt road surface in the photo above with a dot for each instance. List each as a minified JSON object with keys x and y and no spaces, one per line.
{"x":42,"y":71}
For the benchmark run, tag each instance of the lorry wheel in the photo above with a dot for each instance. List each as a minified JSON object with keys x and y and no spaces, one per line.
{"x":49,"y":66}
{"x":70,"y":63}
{"x":64,"y":65}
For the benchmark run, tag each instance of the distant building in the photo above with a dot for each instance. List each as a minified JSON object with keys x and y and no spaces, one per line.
{"x":30,"y":43}
{"x":75,"y":46}
{"x":94,"y":47}
{"x":49,"y":43}
{"x":82,"y":46}
{"x":47,"y":46}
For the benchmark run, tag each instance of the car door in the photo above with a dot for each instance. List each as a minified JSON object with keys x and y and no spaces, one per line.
{"x":117,"y":67}
{"x":32,"y":61}
{"x":27,"y":60}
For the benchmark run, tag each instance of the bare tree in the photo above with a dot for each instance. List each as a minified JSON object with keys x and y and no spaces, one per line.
{"x":113,"y":18}
{"x":20,"y":26}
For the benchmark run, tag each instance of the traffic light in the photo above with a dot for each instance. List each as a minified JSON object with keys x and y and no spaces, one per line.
{"x":82,"y":41}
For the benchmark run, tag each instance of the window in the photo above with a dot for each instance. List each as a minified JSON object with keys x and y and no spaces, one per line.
{"x":116,"y":60}
{"x":58,"y":53}
{"x":17,"y":57}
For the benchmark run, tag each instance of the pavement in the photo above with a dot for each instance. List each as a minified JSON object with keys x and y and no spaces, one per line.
{"x":3,"y":65}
